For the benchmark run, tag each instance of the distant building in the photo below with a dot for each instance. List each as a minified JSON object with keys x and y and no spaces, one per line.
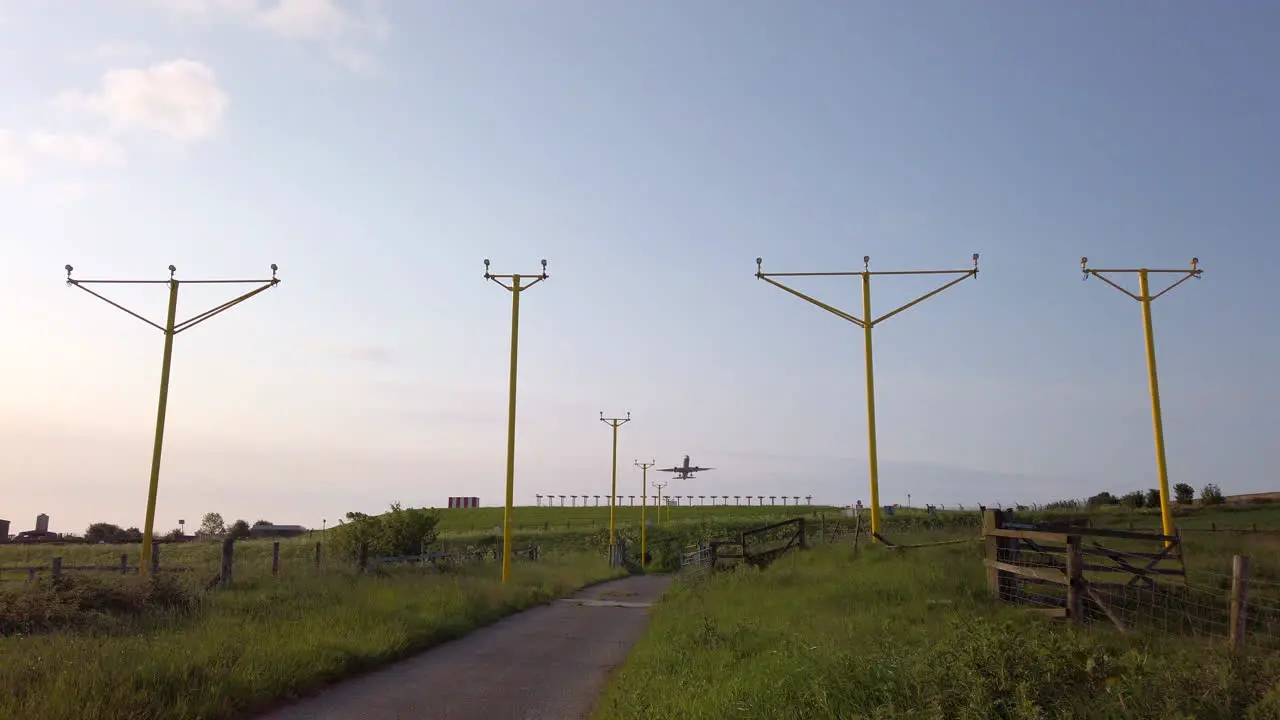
{"x":42,"y":523}
{"x":464,"y":502}
{"x":4,"y":531}
{"x":260,"y":531}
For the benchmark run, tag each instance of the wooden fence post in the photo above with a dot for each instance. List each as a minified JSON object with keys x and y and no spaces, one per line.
{"x":317,"y":556}
{"x":155,"y":558}
{"x":1003,"y":584}
{"x":363,"y":561}
{"x":275,"y":558}
{"x":1075,"y":581}
{"x":1239,"y":599}
{"x":804,"y":542}
{"x":31,"y":574}
{"x":124,"y":563}
{"x":228,"y":555}
{"x":57,"y":569}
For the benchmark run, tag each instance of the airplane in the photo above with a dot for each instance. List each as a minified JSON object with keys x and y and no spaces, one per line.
{"x":684,"y":472}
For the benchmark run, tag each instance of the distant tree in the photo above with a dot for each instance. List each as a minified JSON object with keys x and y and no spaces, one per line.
{"x":262,"y":522}
{"x":1184,"y":493}
{"x":104,"y":533}
{"x":132,"y":535}
{"x":239,"y":529}
{"x":1060,"y":505}
{"x":1101,"y":499}
{"x":1211,"y":495}
{"x":1133,"y":499}
{"x":1153,"y":498}
{"x":175,"y":535}
{"x":212,"y":524}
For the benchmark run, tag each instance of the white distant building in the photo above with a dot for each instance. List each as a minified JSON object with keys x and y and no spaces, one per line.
{"x":42,"y":523}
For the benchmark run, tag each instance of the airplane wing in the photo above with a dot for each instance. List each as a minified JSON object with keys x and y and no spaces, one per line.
{"x":699,"y":469}
{"x":671,"y":469}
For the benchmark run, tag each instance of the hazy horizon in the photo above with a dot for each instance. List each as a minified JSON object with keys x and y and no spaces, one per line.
{"x":379,"y":152}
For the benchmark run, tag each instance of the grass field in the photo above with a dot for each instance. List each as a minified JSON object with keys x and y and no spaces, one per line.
{"x":535,"y":519}
{"x":233,"y":651}
{"x":911,"y":634}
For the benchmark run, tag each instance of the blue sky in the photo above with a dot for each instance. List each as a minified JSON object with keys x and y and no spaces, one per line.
{"x":379,"y":151}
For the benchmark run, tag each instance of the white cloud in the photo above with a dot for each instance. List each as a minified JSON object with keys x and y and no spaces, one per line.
{"x":76,"y":149}
{"x":12,"y":168}
{"x":341,"y":29}
{"x":180,"y":98}
{"x":308,"y":19}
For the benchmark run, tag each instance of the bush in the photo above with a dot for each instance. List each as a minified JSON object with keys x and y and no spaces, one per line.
{"x":397,"y":532}
{"x":1101,"y":499}
{"x":1211,"y":495}
{"x":1135,"y":499}
{"x":87,"y":602}
{"x":1153,"y":498}
{"x":1184,"y":493}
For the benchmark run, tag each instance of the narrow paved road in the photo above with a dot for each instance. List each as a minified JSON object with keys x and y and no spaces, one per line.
{"x":547,"y":663}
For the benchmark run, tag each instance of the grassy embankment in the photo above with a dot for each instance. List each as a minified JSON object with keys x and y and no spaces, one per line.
{"x":227,"y":653}
{"x":911,"y":634}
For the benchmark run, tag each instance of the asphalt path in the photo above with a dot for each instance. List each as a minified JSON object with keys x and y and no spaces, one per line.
{"x":547,"y":663}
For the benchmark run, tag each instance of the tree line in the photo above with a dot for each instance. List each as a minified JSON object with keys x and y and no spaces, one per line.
{"x":1183,"y":494}
{"x":211,"y":524}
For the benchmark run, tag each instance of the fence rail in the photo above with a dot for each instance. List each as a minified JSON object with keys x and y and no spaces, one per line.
{"x":224,"y":573}
{"x":1138,"y":582}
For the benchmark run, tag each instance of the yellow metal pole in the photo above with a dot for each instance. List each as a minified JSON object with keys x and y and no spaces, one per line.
{"x":1157,"y":421}
{"x":613,"y":490}
{"x":144,"y":562}
{"x":644,"y":496}
{"x":873,"y":461}
{"x":511,"y":430}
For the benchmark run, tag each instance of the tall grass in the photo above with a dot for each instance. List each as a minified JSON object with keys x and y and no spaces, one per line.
{"x":270,"y":639}
{"x":910,"y":635}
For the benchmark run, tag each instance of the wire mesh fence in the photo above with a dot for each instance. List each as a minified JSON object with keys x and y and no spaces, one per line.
{"x":695,"y":562}
{"x":1138,"y":583}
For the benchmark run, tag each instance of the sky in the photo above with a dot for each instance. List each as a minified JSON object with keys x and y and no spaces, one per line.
{"x":378,"y":152}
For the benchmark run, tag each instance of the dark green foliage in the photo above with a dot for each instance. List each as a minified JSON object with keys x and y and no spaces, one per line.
{"x":239,"y":530}
{"x":1101,"y":499}
{"x":1184,"y":493}
{"x":1134,"y":499}
{"x":87,"y":602}
{"x":1211,"y":495}
{"x":1152,"y":499}
{"x":397,"y":532}
{"x":212,"y":524}
{"x":108,"y":533}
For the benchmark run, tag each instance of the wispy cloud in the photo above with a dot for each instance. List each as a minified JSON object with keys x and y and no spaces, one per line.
{"x":179,"y":98}
{"x":346,"y":30}
{"x":12,"y":167}
{"x":77,"y":148}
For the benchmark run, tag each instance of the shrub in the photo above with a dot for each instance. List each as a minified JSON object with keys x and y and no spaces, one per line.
{"x":87,"y":602}
{"x":1184,"y":493}
{"x":1134,"y":499}
{"x":1101,"y":499}
{"x":397,"y":532}
{"x":1153,"y":498}
{"x":1211,"y":495}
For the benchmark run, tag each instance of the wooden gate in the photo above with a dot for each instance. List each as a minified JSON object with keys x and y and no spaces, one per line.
{"x":1061,"y":570}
